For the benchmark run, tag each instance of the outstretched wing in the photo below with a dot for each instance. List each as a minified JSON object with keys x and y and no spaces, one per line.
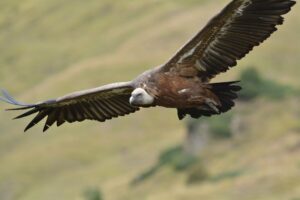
{"x":99,"y":104}
{"x":228,"y":37}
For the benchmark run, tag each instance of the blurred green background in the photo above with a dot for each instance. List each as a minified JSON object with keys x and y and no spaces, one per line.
{"x":49,"y":48}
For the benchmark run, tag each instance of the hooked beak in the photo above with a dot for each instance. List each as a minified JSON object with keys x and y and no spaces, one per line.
{"x":131,"y":101}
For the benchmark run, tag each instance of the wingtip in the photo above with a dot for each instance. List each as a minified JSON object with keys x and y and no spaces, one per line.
{"x":19,"y":109}
{"x":29,"y":126}
{"x":46,"y":127}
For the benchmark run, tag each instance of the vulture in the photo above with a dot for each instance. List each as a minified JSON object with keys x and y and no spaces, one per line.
{"x":183,"y":82}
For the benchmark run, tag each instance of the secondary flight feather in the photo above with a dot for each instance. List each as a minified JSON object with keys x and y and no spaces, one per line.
{"x":184,"y":81}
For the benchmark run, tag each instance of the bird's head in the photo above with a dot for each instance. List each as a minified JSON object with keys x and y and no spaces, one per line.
{"x":139,"y":97}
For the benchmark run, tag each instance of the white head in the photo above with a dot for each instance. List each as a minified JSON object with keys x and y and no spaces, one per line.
{"x":139,"y":97}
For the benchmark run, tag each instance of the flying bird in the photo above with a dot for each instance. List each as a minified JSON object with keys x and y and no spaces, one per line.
{"x":183,"y":82}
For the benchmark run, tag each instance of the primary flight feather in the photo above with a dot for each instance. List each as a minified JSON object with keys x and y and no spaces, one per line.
{"x":184,"y":81}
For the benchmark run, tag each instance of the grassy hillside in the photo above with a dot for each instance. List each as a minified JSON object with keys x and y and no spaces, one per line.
{"x":49,"y":48}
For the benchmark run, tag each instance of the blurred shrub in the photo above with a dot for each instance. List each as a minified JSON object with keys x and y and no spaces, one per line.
{"x":251,"y":83}
{"x":255,"y":85}
{"x":146,"y":174}
{"x":174,"y":157}
{"x":177,"y":158}
{"x":93,"y":194}
{"x":185,"y":162}
{"x":220,"y":126}
{"x":277,"y":91}
{"x":226,"y":175}
{"x":197,"y":174}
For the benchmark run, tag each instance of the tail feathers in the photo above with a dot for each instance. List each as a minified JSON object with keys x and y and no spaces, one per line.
{"x":226,"y":92}
{"x":194,"y":113}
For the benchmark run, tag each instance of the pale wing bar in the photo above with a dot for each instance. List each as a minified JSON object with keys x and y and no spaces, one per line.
{"x":99,"y":104}
{"x":232,"y":34}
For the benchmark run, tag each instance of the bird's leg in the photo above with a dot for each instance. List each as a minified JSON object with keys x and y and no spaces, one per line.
{"x":212,"y":104}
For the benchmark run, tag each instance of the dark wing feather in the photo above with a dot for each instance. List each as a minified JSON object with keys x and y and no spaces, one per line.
{"x":229,"y":36}
{"x":101,"y":104}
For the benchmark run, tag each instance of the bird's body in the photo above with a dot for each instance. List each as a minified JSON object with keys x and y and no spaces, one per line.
{"x":173,"y":91}
{"x":184,"y":81}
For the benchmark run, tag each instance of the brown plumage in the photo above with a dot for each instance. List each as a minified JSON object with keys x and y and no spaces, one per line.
{"x":183,"y":82}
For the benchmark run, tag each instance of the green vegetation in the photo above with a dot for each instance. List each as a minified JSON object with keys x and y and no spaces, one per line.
{"x":226,"y":175}
{"x":197,"y":174}
{"x":93,"y":194}
{"x":49,"y":48}
{"x":251,"y":84}
{"x":218,"y":125}
{"x":254,"y":85}
{"x":175,"y":157}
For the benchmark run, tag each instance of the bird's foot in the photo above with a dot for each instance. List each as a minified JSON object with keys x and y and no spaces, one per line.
{"x":213,"y":105}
